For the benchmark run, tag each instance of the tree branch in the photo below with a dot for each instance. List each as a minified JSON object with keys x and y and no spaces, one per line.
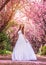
{"x":3,"y":5}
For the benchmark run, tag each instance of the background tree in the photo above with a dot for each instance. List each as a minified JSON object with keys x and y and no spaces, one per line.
{"x":33,"y":13}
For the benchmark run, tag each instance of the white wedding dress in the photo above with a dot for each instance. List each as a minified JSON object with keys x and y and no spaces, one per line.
{"x":23,"y":49}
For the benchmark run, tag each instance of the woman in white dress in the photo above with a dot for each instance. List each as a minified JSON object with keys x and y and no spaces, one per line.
{"x":23,"y":49}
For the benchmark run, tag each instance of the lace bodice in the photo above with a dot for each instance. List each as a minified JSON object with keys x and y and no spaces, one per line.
{"x":19,"y":32}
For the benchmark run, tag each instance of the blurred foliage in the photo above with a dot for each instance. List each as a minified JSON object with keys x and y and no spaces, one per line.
{"x":4,"y":43}
{"x":5,"y":51}
{"x":42,"y":50}
{"x":11,"y":23}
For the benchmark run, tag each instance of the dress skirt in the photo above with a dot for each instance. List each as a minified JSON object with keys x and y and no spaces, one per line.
{"x":23,"y":49}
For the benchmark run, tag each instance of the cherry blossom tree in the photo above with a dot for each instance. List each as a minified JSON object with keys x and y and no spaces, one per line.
{"x":32,"y":13}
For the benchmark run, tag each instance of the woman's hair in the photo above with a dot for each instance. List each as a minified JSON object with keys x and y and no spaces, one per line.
{"x":21,"y":27}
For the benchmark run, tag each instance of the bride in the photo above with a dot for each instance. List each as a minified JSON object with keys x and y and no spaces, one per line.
{"x":23,"y":49}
